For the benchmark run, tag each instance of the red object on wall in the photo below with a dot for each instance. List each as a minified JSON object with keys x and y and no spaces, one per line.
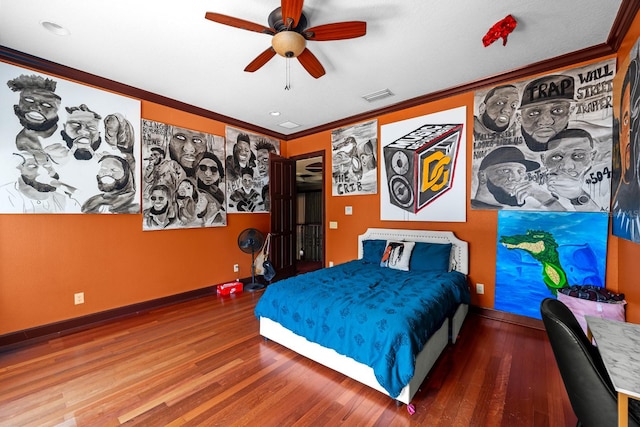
{"x":500,"y":29}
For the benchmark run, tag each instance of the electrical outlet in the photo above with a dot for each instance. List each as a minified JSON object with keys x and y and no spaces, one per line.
{"x":479,"y":288}
{"x":78,"y":298}
{"x":330,"y":263}
{"x":236,"y":268}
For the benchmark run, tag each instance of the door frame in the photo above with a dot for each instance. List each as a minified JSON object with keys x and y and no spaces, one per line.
{"x":323,"y":197}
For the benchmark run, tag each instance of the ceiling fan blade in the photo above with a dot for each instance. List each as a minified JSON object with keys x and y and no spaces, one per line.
{"x":238,"y":23}
{"x":336,"y":31}
{"x":311,"y":63}
{"x":291,"y":9}
{"x":260,"y":60}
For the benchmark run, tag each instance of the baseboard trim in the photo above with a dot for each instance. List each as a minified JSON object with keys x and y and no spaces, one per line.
{"x":508,"y":317}
{"x":24,"y":337}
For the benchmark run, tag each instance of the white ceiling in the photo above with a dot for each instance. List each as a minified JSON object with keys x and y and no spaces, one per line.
{"x":412,"y":47}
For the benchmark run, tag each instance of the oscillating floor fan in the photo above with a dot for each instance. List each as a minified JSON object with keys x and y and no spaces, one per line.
{"x":250,"y":241}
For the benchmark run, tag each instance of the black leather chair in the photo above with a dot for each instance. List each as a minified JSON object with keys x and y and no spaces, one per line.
{"x":592,"y":396}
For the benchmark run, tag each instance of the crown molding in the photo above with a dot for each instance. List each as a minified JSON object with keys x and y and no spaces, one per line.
{"x":624,"y":19}
{"x":29,"y":61}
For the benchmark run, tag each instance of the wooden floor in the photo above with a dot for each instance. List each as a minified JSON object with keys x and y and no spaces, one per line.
{"x":202,"y":363}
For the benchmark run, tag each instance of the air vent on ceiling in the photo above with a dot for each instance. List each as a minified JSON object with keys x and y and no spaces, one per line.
{"x":375,"y":96}
{"x":289,"y":125}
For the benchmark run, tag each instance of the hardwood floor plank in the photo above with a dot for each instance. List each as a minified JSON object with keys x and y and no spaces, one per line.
{"x":202,"y":362}
{"x":178,"y":391}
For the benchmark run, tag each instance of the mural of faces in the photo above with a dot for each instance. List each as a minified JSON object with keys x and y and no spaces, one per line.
{"x":56,"y":127}
{"x":562,"y":122}
{"x":182,"y":171}
{"x":247,"y":170}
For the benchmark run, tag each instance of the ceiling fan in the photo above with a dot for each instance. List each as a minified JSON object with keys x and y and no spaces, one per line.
{"x":288,"y":26}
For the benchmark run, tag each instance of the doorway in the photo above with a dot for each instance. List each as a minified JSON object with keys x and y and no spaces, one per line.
{"x":310,"y":240}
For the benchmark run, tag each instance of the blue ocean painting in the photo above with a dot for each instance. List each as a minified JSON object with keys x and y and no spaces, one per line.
{"x":529,"y":268}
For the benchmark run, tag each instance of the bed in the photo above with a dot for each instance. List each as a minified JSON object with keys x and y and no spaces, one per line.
{"x":360,"y":331}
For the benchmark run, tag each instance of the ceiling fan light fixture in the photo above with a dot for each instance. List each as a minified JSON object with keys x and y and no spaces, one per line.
{"x":288,"y":44}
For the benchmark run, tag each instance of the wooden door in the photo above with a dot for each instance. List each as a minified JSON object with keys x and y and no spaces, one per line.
{"x":282,"y":195}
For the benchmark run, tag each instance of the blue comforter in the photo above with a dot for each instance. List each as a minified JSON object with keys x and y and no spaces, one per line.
{"x":378,"y":316}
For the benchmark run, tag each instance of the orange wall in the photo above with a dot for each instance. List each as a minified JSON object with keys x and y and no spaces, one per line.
{"x":480,"y":229}
{"x":47,"y":258}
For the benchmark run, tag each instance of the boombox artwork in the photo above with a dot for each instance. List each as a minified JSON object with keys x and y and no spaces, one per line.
{"x":420,"y":165}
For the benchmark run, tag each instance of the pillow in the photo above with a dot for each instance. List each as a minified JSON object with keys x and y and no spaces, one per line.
{"x":397,"y":255}
{"x":372,"y":250}
{"x":434,"y":257}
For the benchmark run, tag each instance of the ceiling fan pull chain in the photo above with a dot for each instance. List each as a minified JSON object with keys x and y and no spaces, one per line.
{"x":287,"y":85}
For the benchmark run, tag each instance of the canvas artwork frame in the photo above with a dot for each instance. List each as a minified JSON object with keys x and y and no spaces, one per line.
{"x":544,"y":144}
{"x":538,"y":253}
{"x":68,"y":148}
{"x":183,"y":178}
{"x":625,"y":203}
{"x":354,"y":159}
{"x":247,"y":170}
{"x":423,"y":168}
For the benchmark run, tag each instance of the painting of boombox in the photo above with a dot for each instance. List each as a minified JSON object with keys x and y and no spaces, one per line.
{"x":420,"y":165}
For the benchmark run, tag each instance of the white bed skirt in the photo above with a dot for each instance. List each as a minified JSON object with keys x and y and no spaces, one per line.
{"x":363,"y":373}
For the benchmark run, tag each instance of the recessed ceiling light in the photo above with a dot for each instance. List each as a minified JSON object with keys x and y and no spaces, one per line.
{"x":289,"y":125}
{"x":55,"y":28}
{"x":275,"y":113}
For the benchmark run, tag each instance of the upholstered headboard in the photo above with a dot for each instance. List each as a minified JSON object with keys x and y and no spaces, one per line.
{"x":459,"y":252}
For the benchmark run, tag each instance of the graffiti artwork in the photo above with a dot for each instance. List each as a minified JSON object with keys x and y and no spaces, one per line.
{"x":625,"y":203}
{"x":420,"y":165}
{"x":545,"y":144}
{"x":183,"y":178}
{"x":423,"y":168}
{"x":247,"y":170}
{"x":355,"y":159}
{"x":67,"y":148}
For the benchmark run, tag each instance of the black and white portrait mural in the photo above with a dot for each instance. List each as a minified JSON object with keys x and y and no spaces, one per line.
{"x":183,"y":178}
{"x":354,"y":159}
{"x":67,"y":148}
{"x":625,"y":203}
{"x":545,"y":144}
{"x":247,"y":168}
{"x":423,"y":173}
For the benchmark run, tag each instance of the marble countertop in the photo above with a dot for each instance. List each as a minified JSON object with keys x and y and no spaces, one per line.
{"x":619,"y":346}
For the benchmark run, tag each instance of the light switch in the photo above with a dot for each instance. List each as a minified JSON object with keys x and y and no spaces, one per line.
{"x":348,"y":210}
{"x":333,"y":224}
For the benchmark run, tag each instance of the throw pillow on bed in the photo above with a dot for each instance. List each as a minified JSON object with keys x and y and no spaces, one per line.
{"x":433,"y":257}
{"x":372,"y":250}
{"x":397,"y":255}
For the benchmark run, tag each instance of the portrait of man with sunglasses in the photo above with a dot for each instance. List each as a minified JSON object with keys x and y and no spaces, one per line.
{"x":209,"y":174}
